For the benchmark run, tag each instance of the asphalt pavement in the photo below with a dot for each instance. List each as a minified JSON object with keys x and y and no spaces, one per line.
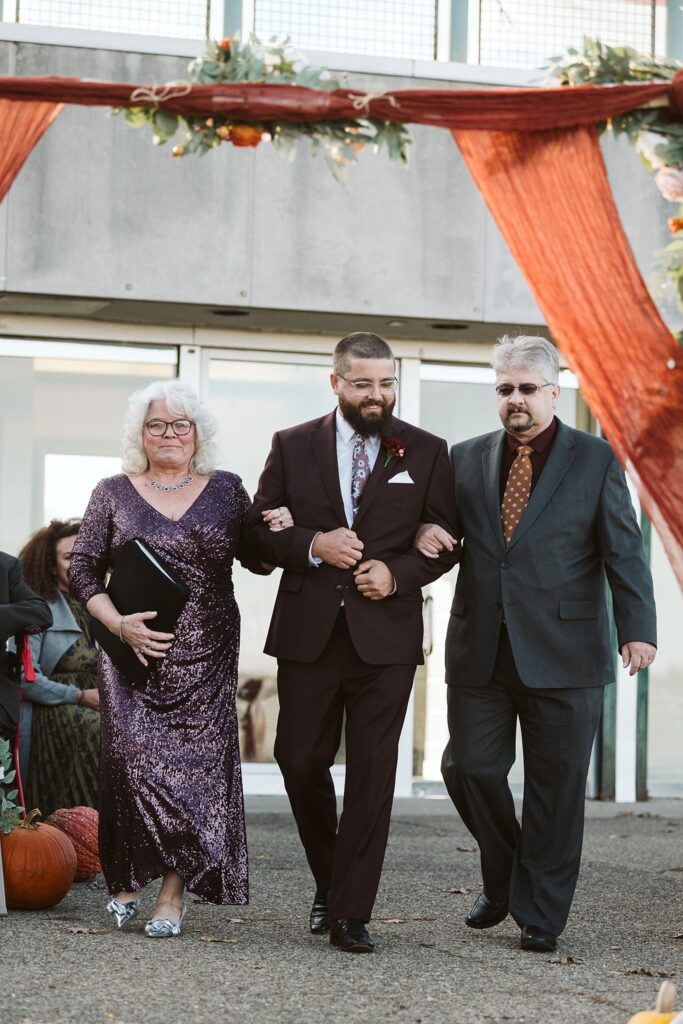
{"x":259,"y":965}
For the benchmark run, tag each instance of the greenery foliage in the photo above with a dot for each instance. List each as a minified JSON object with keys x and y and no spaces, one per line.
{"x":10,"y":814}
{"x":233,"y":61}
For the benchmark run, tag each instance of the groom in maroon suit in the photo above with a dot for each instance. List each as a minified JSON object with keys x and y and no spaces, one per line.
{"x":347,"y":623}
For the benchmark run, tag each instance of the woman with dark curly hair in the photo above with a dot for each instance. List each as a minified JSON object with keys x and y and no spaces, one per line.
{"x":60,"y":717}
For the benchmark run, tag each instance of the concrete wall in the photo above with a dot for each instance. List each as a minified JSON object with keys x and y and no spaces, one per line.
{"x":99,"y":211}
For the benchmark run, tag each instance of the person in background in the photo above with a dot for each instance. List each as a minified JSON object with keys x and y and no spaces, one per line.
{"x":21,"y":611}
{"x":60,"y":712}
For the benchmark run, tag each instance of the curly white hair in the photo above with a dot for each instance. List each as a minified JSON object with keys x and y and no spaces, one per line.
{"x":182,"y":401}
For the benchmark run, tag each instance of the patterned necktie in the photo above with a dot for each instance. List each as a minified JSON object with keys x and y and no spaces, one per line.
{"x":517,"y":491}
{"x":360,"y":471}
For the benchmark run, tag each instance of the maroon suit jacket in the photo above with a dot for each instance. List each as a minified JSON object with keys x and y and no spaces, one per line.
{"x":302,"y":473}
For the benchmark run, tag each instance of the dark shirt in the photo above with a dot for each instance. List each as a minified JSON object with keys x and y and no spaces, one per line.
{"x":542,"y":446}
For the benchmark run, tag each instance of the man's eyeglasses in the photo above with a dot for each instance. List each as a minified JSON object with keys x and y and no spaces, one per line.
{"x":505,"y":390}
{"x":365,"y":387}
{"x":180,"y":428}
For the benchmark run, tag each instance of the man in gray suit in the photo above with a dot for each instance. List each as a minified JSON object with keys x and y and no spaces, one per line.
{"x":545,"y":517}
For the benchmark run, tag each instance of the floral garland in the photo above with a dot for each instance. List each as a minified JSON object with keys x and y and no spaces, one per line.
{"x":657,"y":137}
{"x":232,"y":61}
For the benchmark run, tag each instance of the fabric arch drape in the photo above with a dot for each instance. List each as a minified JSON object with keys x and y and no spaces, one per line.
{"x":551,"y":199}
{"x":21,"y":127}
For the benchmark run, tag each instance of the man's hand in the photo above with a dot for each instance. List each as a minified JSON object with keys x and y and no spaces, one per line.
{"x":638,"y":655}
{"x":340,"y":548}
{"x":374,"y":579}
{"x":430,"y":540}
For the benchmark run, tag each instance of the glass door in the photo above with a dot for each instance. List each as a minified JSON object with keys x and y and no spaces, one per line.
{"x":252,"y":395}
{"x":457,"y":402}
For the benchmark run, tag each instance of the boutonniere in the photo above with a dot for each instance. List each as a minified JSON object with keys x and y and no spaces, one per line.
{"x":394,"y":448}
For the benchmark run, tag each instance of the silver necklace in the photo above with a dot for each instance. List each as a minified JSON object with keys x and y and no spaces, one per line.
{"x":170,"y":487}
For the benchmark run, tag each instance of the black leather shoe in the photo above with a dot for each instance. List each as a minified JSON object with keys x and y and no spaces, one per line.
{"x":537,"y":941}
{"x":320,"y":918}
{"x":486,"y":913}
{"x":351,"y":936}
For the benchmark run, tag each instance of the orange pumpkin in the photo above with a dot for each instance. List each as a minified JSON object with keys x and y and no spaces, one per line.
{"x":663,"y":1012}
{"x":80,"y":825}
{"x":39,"y":864}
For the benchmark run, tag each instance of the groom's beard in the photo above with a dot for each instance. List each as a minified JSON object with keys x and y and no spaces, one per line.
{"x":372,"y":416}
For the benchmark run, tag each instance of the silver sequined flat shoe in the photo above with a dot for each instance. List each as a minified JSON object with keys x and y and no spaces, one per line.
{"x":164,"y":929}
{"x":123,"y":912}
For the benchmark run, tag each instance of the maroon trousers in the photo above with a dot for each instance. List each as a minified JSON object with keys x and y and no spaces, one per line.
{"x":345,"y":858}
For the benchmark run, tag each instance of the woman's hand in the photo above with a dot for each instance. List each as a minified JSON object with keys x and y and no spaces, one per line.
{"x":145,"y":642}
{"x":278,"y":518}
{"x":90,"y":699}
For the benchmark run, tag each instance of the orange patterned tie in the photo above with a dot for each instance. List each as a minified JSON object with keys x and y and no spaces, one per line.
{"x":517,"y":491}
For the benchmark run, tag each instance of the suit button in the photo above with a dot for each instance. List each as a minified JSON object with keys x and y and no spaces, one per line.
{"x":505,"y":565}
{"x":339,"y":587}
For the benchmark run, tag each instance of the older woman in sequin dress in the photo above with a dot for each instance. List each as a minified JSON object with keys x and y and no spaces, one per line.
{"x":170,"y":786}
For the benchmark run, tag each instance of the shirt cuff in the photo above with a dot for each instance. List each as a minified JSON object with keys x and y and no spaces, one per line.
{"x":312,"y":559}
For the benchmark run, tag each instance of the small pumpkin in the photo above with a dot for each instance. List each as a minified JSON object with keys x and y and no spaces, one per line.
{"x":80,"y":824}
{"x":39,"y":864}
{"x":663,"y":1012}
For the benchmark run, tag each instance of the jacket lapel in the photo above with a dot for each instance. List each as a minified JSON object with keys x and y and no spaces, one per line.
{"x":324,"y":441}
{"x":491,"y":460}
{"x":560,"y":459}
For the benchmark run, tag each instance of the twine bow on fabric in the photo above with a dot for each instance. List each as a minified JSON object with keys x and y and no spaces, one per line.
{"x":154,"y":95}
{"x":362,"y":103}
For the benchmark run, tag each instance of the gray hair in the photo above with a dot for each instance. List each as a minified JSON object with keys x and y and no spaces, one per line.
{"x":181,"y":401}
{"x":526,"y":351}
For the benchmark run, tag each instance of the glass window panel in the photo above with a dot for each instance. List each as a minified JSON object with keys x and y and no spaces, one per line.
{"x":185,"y":19}
{"x":665,"y":713}
{"x":387,"y":28}
{"x":251,"y":400}
{"x":59,"y":413}
{"x":526,"y":33}
{"x":458,"y":409}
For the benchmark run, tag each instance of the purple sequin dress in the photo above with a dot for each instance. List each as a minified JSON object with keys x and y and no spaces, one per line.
{"x":170,"y":778}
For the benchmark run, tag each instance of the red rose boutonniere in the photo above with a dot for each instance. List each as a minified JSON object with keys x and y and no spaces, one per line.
{"x":394,"y":448}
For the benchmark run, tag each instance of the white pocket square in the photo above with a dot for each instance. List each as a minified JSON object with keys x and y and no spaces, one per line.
{"x":401,"y":478}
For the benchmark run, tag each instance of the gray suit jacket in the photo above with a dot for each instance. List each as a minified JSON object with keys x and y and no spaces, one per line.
{"x":578,"y":529}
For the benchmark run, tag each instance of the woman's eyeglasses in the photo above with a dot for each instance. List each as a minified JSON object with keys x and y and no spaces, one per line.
{"x":180,"y":428}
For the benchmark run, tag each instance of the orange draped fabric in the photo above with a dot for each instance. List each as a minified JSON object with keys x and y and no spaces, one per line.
{"x":551,"y":199}
{"x":535,"y":157}
{"x":21,"y":126}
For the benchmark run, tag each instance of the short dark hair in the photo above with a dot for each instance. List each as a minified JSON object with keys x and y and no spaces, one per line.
{"x":359,"y":345}
{"x":39,"y":556}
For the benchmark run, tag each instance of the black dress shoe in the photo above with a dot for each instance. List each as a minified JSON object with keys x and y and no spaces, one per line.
{"x":486,"y":913}
{"x":537,"y":941}
{"x":351,"y":936}
{"x":320,"y":917}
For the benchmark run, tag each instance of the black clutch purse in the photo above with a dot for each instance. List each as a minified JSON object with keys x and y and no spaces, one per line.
{"x":140,"y":581}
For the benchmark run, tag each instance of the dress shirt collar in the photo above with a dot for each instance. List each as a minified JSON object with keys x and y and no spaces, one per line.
{"x":538,"y":443}
{"x":346,"y":431}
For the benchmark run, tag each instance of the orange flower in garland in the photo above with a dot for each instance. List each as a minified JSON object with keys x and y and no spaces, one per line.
{"x":675,"y":224}
{"x":246,"y":134}
{"x":225,"y":45}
